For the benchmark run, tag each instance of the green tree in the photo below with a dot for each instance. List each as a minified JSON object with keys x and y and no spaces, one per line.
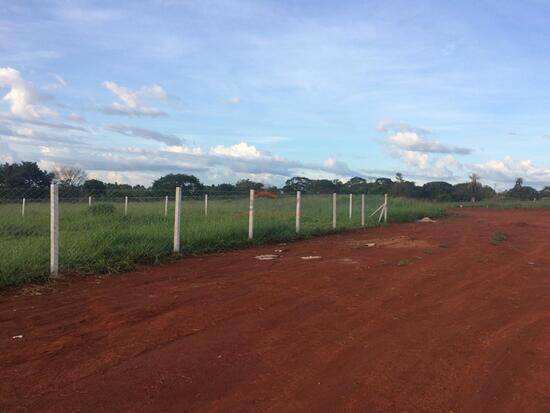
{"x":298,"y":183}
{"x":166,"y":185}
{"x":24,"y":174}
{"x":245,"y":185}
{"x":438,"y":190}
{"x":95,"y":187}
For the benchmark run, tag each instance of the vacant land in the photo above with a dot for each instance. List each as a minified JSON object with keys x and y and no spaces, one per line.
{"x":411,"y":317}
{"x":103,"y":239}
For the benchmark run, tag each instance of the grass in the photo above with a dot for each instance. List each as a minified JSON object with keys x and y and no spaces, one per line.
{"x":103,"y":240}
{"x":507,"y":203}
{"x":498,"y":237}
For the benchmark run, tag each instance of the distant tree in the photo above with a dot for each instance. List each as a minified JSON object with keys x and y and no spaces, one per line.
{"x":324,"y":186}
{"x":70,"y":175}
{"x":399,"y":177}
{"x":95,"y":187}
{"x":226,"y":188}
{"x":298,"y":183}
{"x":24,"y":174}
{"x":167,"y":184}
{"x":403,"y":188}
{"x":545,"y":192}
{"x":519,"y":183}
{"x":245,"y":185}
{"x":475,"y":187}
{"x":356,"y":185}
{"x":438,"y":191}
{"x":381,"y":186}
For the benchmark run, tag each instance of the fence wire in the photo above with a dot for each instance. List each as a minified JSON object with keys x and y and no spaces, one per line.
{"x":108,"y":232}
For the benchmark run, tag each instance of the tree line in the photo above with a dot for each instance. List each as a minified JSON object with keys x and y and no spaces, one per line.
{"x":30,"y":179}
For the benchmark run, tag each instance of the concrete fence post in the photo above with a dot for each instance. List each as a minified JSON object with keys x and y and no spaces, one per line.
{"x":166,"y":206}
{"x":385,"y":208}
{"x":251,"y":216}
{"x":23,"y":207}
{"x":298,"y":210}
{"x":334,"y":210}
{"x":90,"y":201}
{"x":177,"y":220}
{"x":362,"y":210}
{"x":125,"y":205}
{"x":205,"y":205}
{"x":350,"y":205}
{"x":54,"y":230}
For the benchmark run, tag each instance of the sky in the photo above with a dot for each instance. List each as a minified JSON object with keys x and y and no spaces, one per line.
{"x":267,"y":90}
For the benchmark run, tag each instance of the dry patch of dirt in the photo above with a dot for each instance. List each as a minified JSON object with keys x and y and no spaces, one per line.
{"x":402,"y":241}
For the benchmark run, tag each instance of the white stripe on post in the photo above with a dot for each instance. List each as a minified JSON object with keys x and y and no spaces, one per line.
{"x":350,"y":205}
{"x":54,"y":230}
{"x":362,"y":210}
{"x":23,"y":207}
{"x":125,"y":205}
{"x":177,"y":220}
{"x":334,"y":210}
{"x":205,"y":205}
{"x":166,"y":206}
{"x":251,"y":216}
{"x":298,"y":212}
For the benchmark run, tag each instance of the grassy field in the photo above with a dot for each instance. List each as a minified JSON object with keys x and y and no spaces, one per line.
{"x":92,"y":241}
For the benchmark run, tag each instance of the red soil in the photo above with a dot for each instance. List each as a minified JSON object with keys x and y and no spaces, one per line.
{"x":450,"y":323}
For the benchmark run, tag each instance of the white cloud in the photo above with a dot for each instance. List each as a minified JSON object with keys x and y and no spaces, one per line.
{"x":23,"y":99}
{"x":131,"y":100}
{"x":412,"y":141}
{"x":508,"y":169}
{"x":132,"y":131}
{"x":75,"y":117}
{"x":240,"y":150}
{"x":235,"y":100}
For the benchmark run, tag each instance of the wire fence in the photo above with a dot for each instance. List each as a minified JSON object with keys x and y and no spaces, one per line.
{"x":42,"y":234}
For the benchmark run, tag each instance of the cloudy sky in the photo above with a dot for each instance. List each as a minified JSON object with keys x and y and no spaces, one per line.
{"x":271,"y":89}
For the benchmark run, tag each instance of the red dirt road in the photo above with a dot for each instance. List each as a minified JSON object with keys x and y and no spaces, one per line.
{"x":434,"y":318}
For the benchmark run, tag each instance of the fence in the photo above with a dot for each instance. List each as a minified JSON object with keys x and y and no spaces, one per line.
{"x":43,"y":233}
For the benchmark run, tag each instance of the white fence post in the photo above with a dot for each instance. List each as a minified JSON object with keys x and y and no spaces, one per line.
{"x":177,"y":220}
{"x":54,"y":230}
{"x":362,"y":210}
{"x":386,"y":208}
{"x":334,"y":210}
{"x":90,"y":201}
{"x":298,"y":212}
{"x":166,"y":206}
{"x":205,"y":205}
{"x":350,"y":205}
{"x":126,"y":205}
{"x":23,"y":207}
{"x":251,"y":216}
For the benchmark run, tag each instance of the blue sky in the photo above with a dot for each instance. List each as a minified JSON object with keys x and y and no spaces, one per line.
{"x":271,"y":89}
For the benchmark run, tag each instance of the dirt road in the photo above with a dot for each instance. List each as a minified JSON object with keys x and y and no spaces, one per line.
{"x":432,"y":318}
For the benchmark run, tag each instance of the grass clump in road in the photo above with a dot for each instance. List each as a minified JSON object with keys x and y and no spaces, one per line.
{"x":498,"y":237}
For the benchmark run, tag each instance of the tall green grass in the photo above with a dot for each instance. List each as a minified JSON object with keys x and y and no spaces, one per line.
{"x":102,"y":239}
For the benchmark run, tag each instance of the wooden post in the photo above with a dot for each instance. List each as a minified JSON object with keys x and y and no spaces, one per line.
{"x":350,"y":205}
{"x":125,"y":205}
{"x":54,"y":230}
{"x":177,"y":220}
{"x":90,"y":201}
{"x":166,"y":206}
{"x":298,"y":212}
{"x":362,"y":210}
{"x":334,"y":211}
{"x":23,"y":207}
{"x":386,"y":208}
{"x":205,"y":205}
{"x":251,"y":216}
